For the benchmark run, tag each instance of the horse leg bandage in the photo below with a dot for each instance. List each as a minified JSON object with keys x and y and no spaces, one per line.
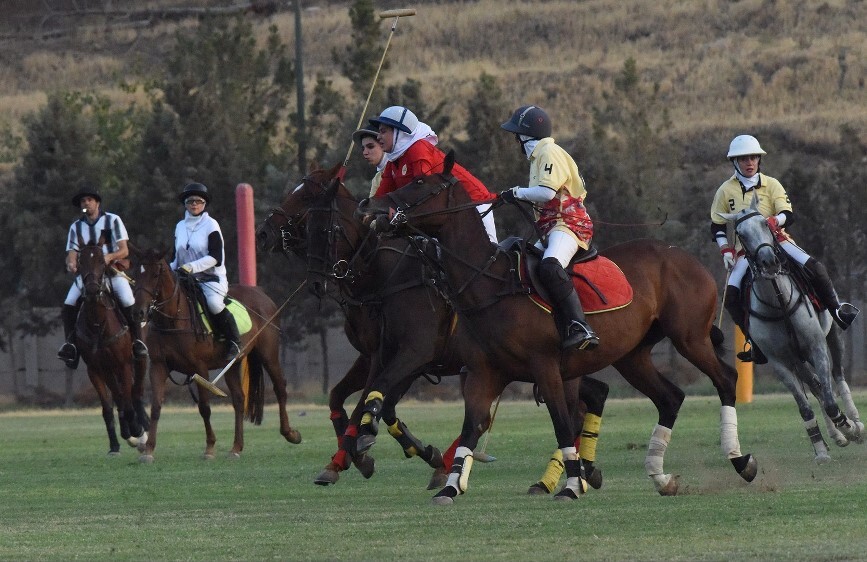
{"x":410,"y":443}
{"x":589,"y":437}
{"x":653,"y":462}
{"x":553,"y":471}
{"x":460,"y":474}
{"x":372,"y":408}
{"x":728,"y":431}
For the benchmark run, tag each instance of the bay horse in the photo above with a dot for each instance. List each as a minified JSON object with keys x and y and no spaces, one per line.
{"x":803,"y":343}
{"x":674,"y":297}
{"x":177,"y":341}
{"x":396,"y":317}
{"x":105,"y":344}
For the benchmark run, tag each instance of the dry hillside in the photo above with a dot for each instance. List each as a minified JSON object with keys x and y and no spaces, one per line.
{"x":741,"y":64}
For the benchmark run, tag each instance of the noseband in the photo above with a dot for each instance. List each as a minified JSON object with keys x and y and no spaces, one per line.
{"x":753,"y":256}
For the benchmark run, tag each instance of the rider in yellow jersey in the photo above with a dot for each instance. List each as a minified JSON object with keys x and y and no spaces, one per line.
{"x":736,"y":194}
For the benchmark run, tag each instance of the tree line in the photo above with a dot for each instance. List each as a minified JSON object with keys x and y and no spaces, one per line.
{"x":222,"y":110}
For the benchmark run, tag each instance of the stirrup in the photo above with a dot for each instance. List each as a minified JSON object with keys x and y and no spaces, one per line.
{"x":752,"y":355}
{"x":233,"y":351}
{"x":68,"y":353}
{"x":139,"y":349}
{"x":580,"y":336}
{"x":845,"y":314}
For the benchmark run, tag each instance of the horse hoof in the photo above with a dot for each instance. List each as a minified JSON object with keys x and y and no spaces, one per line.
{"x":365,"y":465}
{"x":233,"y":456}
{"x":146,"y":459}
{"x":822,"y":458}
{"x":114,"y":453}
{"x":483,"y":457}
{"x":438,"y":479}
{"x":670,"y":489}
{"x":595,"y":479}
{"x":132,"y":442}
{"x":566,"y":494}
{"x":749,"y":470}
{"x":364,"y":442}
{"x":327,"y":477}
{"x":208,"y":456}
{"x":294,"y":437}
{"x":538,"y":489}
{"x":442,"y":500}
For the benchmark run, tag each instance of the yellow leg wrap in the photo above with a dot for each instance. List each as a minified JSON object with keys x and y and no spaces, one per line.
{"x":373,"y":396}
{"x":367,"y":417}
{"x":394,"y":430}
{"x":589,"y":437}
{"x":553,"y":471}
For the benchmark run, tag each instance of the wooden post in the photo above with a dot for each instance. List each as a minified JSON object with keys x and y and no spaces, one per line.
{"x":744,"y":390}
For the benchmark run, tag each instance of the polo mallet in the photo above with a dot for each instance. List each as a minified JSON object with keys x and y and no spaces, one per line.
{"x":212,"y":385}
{"x":723,"y":302}
{"x":396,"y":14}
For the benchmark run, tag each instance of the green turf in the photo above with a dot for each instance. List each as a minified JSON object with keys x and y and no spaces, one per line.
{"x":64,"y":499}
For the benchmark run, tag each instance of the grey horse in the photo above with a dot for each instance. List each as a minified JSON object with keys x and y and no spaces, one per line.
{"x":804,"y":345}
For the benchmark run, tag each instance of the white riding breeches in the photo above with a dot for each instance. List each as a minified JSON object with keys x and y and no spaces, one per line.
{"x":119,"y":285}
{"x":559,"y":245}
{"x":739,"y":270}
{"x":215,"y":292}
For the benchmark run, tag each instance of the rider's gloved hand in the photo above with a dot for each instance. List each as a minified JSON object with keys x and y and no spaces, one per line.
{"x":729,"y":258}
{"x":773,"y":223}
{"x":185,"y":269}
{"x":508,"y":196}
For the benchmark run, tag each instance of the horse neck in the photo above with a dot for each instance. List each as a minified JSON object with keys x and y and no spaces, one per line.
{"x":170,"y":311}
{"x":469,"y":259}
{"x":768,"y":292}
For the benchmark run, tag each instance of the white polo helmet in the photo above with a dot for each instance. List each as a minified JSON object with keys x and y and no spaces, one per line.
{"x":744,"y":145}
{"x":398,"y":117}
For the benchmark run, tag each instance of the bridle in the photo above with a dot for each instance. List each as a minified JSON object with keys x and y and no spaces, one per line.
{"x":156,"y":305}
{"x":289,"y":229}
{"x":753,"y":256}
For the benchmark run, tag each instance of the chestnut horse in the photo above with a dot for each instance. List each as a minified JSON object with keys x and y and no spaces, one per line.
{"x":177,"y":341}
{"x":395,"y":316}
{"x":106,"y":346}
{"x":674,"y":297}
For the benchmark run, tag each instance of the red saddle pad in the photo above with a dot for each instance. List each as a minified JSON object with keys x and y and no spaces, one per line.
{"x":600,"y":285}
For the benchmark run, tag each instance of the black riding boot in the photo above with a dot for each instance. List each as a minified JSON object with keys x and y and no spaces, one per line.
{"x":68,"y":353}
{"x":736,"y":310}
{"x":139,"y":349}
{"x":568,"y":314}
{"x":230,"y":329}
{"x":843,"y":313}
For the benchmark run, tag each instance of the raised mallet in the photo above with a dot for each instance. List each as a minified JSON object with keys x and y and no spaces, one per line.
{"x":396,"y":14}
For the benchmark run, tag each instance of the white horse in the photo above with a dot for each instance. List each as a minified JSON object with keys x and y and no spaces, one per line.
{"x":804,"y":345}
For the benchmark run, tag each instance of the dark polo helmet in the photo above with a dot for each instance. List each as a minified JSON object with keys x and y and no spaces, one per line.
{"x":195,"y":189}
{"x":529,"y":120}
{"x":85,"y":190}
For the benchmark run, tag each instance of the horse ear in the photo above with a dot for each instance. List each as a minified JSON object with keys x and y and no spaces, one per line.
{"x":449,"y":162}
{"x":727,"y":216}
{"x":332,"y":187}
{"x":335,"y":170}
{"x":754,"y":204}
{"x":313,"y":164}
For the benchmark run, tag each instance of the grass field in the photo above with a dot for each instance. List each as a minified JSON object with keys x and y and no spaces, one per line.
{"x":64,"y":499}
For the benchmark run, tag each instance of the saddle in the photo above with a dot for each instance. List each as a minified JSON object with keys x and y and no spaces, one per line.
{"x":599,"y":282}
{"x":201,"y":318}
{"x":800,"y":278}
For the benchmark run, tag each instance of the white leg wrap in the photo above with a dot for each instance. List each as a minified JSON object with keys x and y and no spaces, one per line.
{"x":653,"y":462}
{"x":728,"y":432}
{"x":569,"y":453}
{"x":848,"y":403}
{"x":460,"y":480}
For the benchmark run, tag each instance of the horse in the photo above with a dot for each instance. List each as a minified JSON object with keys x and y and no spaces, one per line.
{"x":376,"y":283}
{"x":803,"y":343}
{"x":178,"y":341}
{"x":674,"y":297}
{"x":106,"y":347}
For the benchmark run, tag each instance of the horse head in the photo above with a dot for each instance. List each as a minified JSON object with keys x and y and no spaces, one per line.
{"x":425,"y":203}
{"x":758,"y":242}
{"x":155,"y":284}
{"x":283,"y":228}
{"x":91,"y":267}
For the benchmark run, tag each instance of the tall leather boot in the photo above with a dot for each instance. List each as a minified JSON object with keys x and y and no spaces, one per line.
{"x":844,"y":313}
{"x":68,"y":353}
{"x":230,"y":329}
{"x":736,"y":310}
{"x":139,"y":349}
{"x":568,"y":314}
